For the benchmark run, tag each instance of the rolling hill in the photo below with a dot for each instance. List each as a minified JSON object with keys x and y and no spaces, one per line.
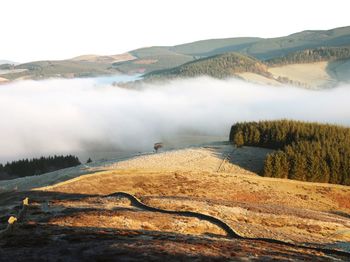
{"x":164,"y":57}
{"x":267,"y":48}
{"x":155,"y":58}
{"x":280,"y":46}
{"x":312,"y":68}
{"x":64,"y":68}
{"x":79,"y":208}
{"x":150,"y":59}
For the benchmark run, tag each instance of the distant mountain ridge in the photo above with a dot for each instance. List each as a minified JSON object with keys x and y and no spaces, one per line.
{"x":156,"y":58}
{"x":3,"y":62}
{"x":313,"y":68}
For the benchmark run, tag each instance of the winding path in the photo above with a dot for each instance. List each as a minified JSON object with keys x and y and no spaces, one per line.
{"x":231,"y":233}
{"x":137,"y":203}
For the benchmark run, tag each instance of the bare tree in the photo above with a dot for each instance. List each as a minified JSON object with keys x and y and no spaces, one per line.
{"x":157,"y":146}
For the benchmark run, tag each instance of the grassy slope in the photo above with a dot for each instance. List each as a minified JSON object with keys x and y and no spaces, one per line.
{"x":319,"y":67}
{"x":201,"y":180}
{"x":257,"y":47}
{"x":215,"y":46}
{"x":275,"y":47}
{"x":64,"y":68}
{"x":198,"y":179}
{"x":152,"y":62}
{"x":311,"y":68}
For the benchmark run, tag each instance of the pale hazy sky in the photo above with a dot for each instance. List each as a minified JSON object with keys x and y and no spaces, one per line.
{"x":58,"y":29}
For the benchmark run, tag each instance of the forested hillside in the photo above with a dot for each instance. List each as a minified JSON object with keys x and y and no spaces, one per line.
{"x":219,"y":66}
{"x":36,"y":166}
{"x":311,"y":56}
{"x":304,"y":151}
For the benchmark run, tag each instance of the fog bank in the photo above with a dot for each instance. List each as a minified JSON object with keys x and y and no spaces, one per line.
{"x":63,"y":116}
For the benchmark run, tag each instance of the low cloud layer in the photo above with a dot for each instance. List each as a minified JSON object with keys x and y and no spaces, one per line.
{"x":63,"y":116}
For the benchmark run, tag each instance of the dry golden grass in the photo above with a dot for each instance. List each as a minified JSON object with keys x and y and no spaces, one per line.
{"x":259,"y":79}
{"x":145,"y":61}
{"x":219,"y":181}
{"x":312,"y":74}
{"x":255,"y":206}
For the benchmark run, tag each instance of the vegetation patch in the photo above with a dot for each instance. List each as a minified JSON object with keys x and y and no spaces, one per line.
{"x":304,"y":151}
{"x":219,"y":66}
{"x":311,"y":56}
{"x":37,"y":166}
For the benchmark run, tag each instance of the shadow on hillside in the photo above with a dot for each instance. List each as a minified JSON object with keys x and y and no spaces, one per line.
{"x":56,"y":243}
{"x":53,"y":242}
{"x":338,"y":71}
{"x":341,"y":213}
{"x":14,"y":199}
{"x":248,"y":158}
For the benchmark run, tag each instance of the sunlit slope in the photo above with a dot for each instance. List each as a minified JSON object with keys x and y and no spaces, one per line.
{"x":309,"y":75}
{"x":319,"y":67}
{"x":221,"y":181}
{"x":218,"y":180}
{"x":152,"y":58}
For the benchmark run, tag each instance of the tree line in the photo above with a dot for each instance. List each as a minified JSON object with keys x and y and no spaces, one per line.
{"x":303,"y":151}
{"x":37,"y":166}
{"x":311,"y":56}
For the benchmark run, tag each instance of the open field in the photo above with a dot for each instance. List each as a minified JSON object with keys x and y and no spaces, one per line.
{"x":259,"y":79}
{"x":104,"y":59}
{"x":217,"y":180}
{"x":311,"y":75}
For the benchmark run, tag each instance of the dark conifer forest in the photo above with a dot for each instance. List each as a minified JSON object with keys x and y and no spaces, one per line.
{"x":311,"y":56}
{"x":303,"y":151}
{"x":36,"y":166}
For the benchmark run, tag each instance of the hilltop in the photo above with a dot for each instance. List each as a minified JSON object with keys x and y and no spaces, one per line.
{"x":312,"y":68}
{"x":71,"y":206}
{"x":150,"y":59}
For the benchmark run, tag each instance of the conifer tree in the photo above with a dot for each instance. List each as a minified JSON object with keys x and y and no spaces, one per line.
{"x":305,"y":151}
{"x":239,"y":139}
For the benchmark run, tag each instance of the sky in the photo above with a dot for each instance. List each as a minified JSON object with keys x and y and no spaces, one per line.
{"x":59,"y":29}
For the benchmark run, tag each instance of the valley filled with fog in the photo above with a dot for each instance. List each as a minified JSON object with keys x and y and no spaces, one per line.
{"x":94,"y":117}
